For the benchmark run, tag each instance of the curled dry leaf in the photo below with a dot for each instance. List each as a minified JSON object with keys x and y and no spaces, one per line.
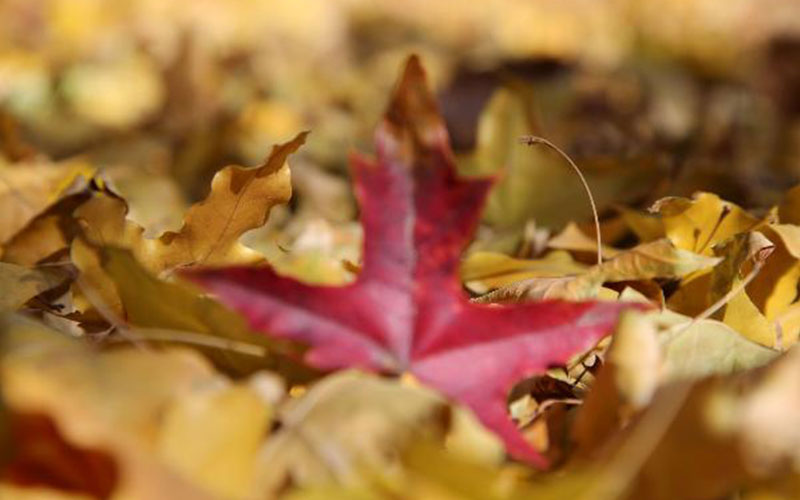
{"x":577,"y":287}
{"x":484,"y":271}
{"x":28,"y":188}
{"x":657,"y":259}
{"x":240,"y":200}
{"x":19,"y":284}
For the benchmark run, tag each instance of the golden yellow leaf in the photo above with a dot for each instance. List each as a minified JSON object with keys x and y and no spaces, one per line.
{"x":775,"y":287}
{"x":744,"y":249}
{"x":646,"y":226}
{"x":699,"y":223}
{"x":694,"y":348}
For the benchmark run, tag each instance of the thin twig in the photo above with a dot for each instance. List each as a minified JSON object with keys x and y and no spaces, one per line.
{"x":543,"y":407}
{"x":530,"y":140}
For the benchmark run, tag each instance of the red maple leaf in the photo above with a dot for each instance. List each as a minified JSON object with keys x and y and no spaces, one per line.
{"x":407,"y":312}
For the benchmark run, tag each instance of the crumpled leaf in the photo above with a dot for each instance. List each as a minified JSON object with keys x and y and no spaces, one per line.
{"x":240,"y":200}
{"x":341,"y":425}
{"x":656,"y":259}
{"x":576,"y":287}
{"x":19,"y":284}
{"x":483,"y":271}
{"x":407,"y":312}
{"x":137,"y":407}
{"x":28,"y":188}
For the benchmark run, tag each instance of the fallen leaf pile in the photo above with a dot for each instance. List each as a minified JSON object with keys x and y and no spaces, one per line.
{"x":432,"y":314}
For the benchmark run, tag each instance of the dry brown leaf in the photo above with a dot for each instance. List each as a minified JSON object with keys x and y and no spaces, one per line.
{"x":26,"y":189}
{"x":484,"y":271}
{"x":656,"y":259}
{"x":239,"y":200}
{"x":576,"y":287}
{"x":19,"y":284}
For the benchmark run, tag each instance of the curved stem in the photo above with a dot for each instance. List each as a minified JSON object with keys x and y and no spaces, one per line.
{"x":530,"y":140}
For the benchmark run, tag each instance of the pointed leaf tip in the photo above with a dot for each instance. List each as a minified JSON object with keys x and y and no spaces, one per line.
{"x":280,"y":152}
{"x":413,"y":108}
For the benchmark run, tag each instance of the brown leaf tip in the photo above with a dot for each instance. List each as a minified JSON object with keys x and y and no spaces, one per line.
{"x":280,"y":152}
{"x":413,"y":109}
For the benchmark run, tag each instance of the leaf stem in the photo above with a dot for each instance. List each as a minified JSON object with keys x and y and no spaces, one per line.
{"x":530,"y":140}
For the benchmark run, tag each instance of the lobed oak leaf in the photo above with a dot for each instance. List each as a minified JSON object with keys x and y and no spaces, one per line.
{"x":407,"y":312}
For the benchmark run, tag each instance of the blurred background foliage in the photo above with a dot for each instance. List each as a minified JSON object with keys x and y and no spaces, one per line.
{"x":651,"y":98}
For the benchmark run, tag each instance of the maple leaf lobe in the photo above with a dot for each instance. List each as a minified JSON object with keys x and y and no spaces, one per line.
{"x":407,"y":311}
